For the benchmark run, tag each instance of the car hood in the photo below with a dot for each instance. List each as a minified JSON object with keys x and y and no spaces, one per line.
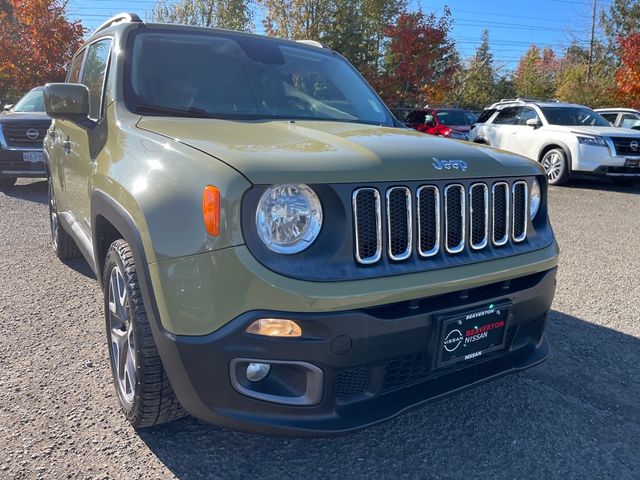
{"x":322,"y":152}
{"x":601,"y":131}
{"x":7,"y":117}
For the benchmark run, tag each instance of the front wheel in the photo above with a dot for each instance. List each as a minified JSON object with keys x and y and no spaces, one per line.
{"x":555,"y":166}
{"x":144,"y":392}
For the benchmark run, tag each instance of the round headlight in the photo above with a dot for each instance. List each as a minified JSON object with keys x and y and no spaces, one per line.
{"x":289,"y":218}
{"x":536,"y":198}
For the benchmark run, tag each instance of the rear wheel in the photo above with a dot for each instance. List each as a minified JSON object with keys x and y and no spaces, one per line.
{"x":64,"y":246}
{"x":144,"y":392}
{"x":555,"y":166}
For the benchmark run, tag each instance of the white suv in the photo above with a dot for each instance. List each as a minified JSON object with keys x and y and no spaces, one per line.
{"x":567,"y":139}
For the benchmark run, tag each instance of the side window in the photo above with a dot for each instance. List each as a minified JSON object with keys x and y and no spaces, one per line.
{"x":486,"y":115}
{"x":526,"y":113}
{"x":610,"y":117}
{"x":507,"y":116}
{"x":428,"y":119}
{"x":629,"y":120}
{"x":93,"y":75}
{"x":74,"y":70}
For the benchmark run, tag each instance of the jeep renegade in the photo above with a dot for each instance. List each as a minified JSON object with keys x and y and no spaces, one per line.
{"x":277,"y":252}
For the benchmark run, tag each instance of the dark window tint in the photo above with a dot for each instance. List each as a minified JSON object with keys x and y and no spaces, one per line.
{"x":94,"y":72}
{"x":507,"y":116}
{"x":453,"y":117}
{"x":416,"y":116}
{"x":486,"y":115}
{"x":610,"y":117}
{"x":526,"y":113}
{"x":574,"y":116}
{"x":74,"y":71}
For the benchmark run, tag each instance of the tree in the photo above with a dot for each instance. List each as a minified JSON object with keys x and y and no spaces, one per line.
{"x":36,"y":43}
{"x":622,"y":19}
{"x":420,"y":63}
{"x":229,"y":14}
{"x":478,"y":85}
{"x":535,"y":74}
{"x":628,"y":75}
{"x":298,"y":19}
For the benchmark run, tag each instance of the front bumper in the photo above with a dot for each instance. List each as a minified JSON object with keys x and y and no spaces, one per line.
{"x":375,"y":362}
{"x":600,"y":161}
{"x":13,"y":165}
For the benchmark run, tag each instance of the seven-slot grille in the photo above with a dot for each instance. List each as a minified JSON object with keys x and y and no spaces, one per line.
{"x":23,"y":134}
{"x":473,"y":217}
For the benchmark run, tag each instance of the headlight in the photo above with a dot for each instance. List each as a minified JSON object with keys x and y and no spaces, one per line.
{"x":535,"y":198}
{"x":289,"y":218}
{"x":593,"y":141}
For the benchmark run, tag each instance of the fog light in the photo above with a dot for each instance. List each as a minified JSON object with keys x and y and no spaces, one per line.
{"x":275,"y":327}
{"x":257,"y":371}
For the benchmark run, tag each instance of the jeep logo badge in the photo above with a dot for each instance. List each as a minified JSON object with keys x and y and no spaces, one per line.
{"x":634,"y":146}
{"x":449,"y":164}
{"x":32,"y":134}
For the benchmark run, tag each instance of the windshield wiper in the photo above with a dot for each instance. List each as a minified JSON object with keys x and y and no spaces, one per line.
{"x":178,"y":112}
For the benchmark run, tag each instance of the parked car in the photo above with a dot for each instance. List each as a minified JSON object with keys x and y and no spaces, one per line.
{"x":567,"y":139}
{"x":23,"y":127}
{"x":444,"y":122}
{"x":277,"y":252}
{"x":621,"y":117}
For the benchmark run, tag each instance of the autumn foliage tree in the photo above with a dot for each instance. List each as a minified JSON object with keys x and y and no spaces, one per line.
{"x":628,"y":75}
{"x":421,"y":60}
{"x":36,"y":43}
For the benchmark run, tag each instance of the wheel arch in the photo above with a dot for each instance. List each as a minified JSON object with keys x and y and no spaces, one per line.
{"x":556,"y":144}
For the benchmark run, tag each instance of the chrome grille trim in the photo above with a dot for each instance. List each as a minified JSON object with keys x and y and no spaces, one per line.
{"x":483,"y":243}
{"x":407,"y":253}
{"x":436,"y":248}
{"x":525,"y":211}
{"x":378,"y":219}
{"x":502,"y":240}
{"x":460,"y":246}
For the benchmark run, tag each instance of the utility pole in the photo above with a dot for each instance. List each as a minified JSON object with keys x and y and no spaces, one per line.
{"x":593,"y":39}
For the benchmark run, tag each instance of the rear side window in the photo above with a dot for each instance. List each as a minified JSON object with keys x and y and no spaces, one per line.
{"x":486,"y":115}
{"x":93,"y":75}
{"x":76,"y":65}
{"x":507,"y":116}
{"x":610,"y":117}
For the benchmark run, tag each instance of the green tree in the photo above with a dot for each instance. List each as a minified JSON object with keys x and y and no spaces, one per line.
{"x":478,"y":85}
{"x":229,"y":14}
{"x":621,"y":20}
{"x":535,"y":74}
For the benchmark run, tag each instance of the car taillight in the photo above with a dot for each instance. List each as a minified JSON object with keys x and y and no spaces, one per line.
{"x":443,"y":131}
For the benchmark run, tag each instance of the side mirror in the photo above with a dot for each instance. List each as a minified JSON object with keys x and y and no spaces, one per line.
{"x":7,"y":107}
{"x":533,"y":122}
{"x":66,"y":101}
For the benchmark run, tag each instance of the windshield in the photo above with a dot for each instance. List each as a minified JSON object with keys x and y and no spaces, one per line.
{"x":239,"y":77}
{"x":455,"y":117}
{"x":31,"y":102}
{"x":574,"y":116}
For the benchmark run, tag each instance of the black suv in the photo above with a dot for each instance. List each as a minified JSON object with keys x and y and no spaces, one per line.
{"x":22,"y":130}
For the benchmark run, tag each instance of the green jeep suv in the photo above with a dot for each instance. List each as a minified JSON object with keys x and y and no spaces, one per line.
{"x":277,"y":252}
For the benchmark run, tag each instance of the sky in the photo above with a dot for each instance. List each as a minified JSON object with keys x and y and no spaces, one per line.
{"x":513,"y":24}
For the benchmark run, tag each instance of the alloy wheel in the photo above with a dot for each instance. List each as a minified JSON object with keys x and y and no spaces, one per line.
{"x":121,"y":337}
{"x":553,"y":165}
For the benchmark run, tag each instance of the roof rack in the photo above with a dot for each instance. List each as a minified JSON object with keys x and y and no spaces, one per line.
{"x":119,"y":18}
{"x":526,"y":99}
{"x":313,"y":43}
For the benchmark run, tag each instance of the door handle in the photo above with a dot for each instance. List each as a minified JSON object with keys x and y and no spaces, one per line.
{"x":66,"y":146}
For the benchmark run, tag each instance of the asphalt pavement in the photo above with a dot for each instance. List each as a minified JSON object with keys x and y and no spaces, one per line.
{"x":575,"y":416}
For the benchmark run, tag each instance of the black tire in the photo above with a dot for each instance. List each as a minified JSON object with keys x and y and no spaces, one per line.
{"x":6,"y":183}
{"x":556,"y":166}
{"x":62,"y":243}
{"x":147,"y":399}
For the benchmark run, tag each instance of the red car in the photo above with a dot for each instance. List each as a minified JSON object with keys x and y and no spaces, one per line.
{"x":444,"y":122}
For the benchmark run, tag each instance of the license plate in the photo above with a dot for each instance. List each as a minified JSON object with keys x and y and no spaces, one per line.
{"x":33,"y":157}
{"x":632,"y":163}
{"x":470,"y":334}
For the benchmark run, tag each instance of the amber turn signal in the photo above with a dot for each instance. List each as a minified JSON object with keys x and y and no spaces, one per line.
{"x":275,"y":327}
{"x":211,"y":210}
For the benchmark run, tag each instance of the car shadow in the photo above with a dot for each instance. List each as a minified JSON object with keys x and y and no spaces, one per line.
{"x":582,"y":398}
{"x":33,"y":191}
{"x":604,"y":185}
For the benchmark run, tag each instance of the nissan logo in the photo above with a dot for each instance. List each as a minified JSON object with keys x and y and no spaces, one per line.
{"x":32,"y":134}
{"x":634,"y":146}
